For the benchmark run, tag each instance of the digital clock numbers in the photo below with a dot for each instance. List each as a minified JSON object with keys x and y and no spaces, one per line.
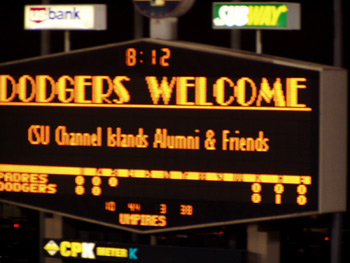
{"x":134,"y":57}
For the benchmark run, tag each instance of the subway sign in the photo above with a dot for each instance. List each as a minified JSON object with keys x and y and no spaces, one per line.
{"x":152,"y":136}
{"x":256,"y":15}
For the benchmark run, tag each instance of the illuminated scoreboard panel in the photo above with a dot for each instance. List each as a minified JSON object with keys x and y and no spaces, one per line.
{"x":151,"y":137}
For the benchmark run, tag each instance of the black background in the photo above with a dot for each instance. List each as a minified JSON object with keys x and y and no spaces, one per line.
{"x":293,"y":136}
{"x":303,"y":239}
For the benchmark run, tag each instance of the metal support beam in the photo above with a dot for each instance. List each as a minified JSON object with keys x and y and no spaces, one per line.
{"x":138,"y":24}
{"x":336,"y":237}
{"x":45,"y":46}
{"x":66,"y":41}
{"x":338,"y":33}
{"x":165,"y":28}
{"x":258,"y":42}
{"x":264,"y":245}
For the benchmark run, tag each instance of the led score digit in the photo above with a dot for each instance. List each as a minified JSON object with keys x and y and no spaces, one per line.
{"x":133,"y":57}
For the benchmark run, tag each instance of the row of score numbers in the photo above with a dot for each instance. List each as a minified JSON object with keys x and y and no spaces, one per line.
{"x":185,"y":210}
{"x":133,"y":57}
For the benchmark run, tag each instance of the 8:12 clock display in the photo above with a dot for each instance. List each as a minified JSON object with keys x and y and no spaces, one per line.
{"x":134,"y":57}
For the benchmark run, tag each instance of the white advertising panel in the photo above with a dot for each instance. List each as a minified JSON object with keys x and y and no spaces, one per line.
{"x":65,"y":17}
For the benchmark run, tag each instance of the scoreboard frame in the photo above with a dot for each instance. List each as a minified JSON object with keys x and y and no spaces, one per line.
{"x":203,"y":136}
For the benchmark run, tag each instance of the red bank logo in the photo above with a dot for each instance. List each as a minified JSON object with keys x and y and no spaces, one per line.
{"x":41,"y":14}
{"x":38,"y":14}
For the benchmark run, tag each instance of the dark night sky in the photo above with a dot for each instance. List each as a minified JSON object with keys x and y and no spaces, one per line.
{"x":314,"y":42}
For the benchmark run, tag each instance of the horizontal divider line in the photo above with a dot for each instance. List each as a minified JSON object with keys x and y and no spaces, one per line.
{"x":146,"y":106}
{"x":156,"y":174}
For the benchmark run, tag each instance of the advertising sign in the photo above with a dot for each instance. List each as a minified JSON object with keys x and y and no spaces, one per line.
{"x":256,"y":15}
{"x":65,"y":17}
{"x":153,"y":135}
{"x":88,"y":250}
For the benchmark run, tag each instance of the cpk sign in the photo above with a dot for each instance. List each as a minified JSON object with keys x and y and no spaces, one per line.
{"x":65,"y":17}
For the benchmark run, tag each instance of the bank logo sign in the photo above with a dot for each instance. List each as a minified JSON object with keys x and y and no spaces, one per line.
{"x":42,"y":14}
{"x":65,"y":17}
{"x":256,"y":15}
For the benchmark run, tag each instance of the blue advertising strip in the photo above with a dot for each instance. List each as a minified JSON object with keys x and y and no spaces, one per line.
{"x":87,"y":250}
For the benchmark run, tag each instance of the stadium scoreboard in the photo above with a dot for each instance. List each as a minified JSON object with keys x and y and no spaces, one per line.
{"x":151,"y":135}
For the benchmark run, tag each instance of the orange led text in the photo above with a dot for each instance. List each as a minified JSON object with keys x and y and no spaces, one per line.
{"x":26,"y":183}
{"x":182,"y":91}
{"x":142,"y":219}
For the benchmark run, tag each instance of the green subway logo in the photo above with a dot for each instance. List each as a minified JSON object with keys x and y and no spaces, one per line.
{"x":256,"y":16}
